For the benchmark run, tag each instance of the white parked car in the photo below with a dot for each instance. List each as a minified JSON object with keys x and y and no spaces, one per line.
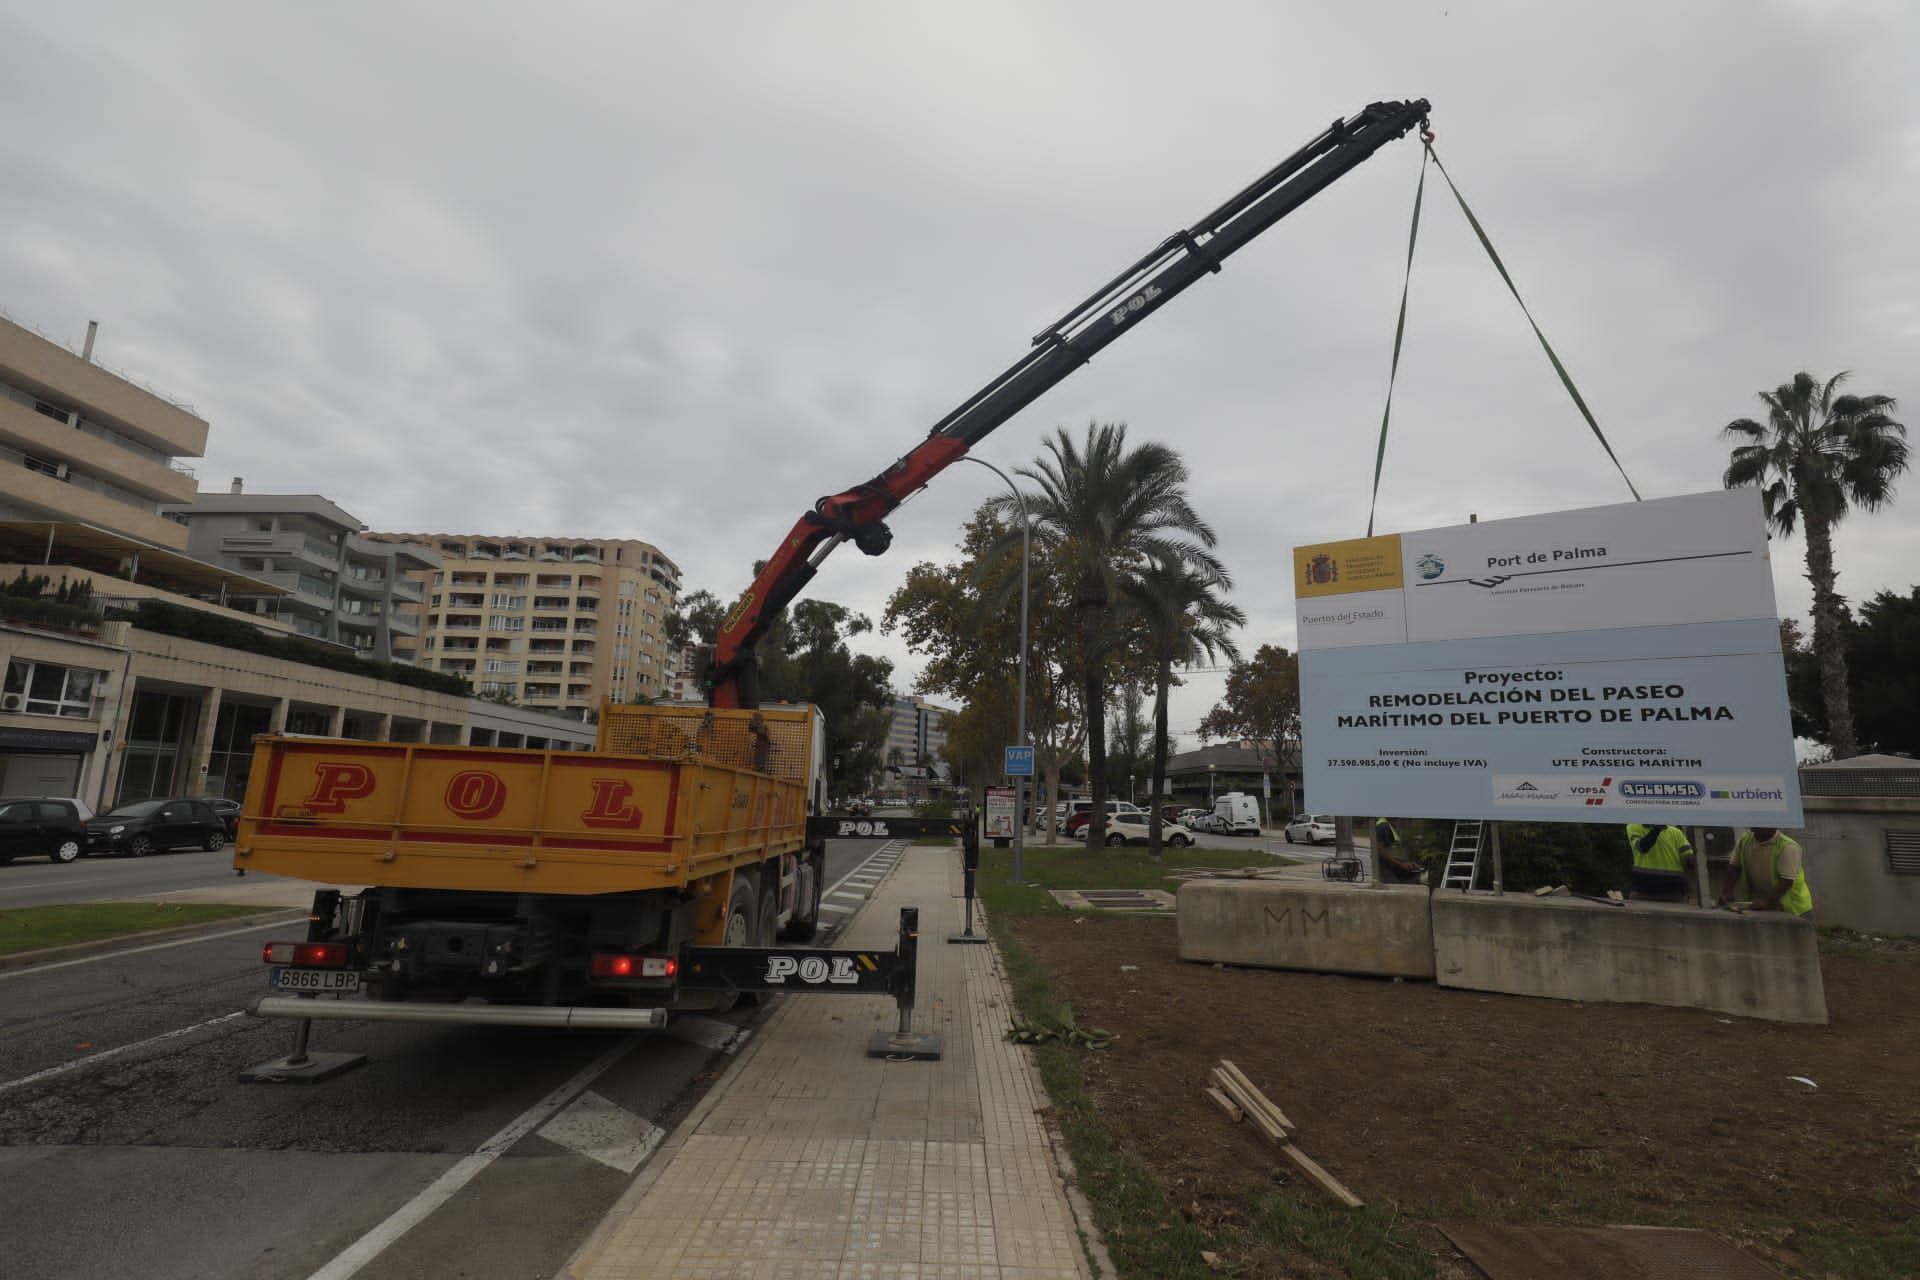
{"x":1131,"y":828}
{"x":1311,"y":829}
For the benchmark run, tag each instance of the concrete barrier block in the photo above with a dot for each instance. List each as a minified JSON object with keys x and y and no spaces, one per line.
{"x":1761,"y":965}
{"x":1307,"y":924}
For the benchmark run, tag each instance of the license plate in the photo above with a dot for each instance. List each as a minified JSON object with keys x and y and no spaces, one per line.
{"x":318,"y":981}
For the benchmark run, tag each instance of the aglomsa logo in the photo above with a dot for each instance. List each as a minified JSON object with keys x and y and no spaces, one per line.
{"x":1662,"y":790}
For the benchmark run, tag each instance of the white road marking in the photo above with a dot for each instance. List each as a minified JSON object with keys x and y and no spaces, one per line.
{"x":857,"y":897}
{"x":836,"y":908}
{"x":357,"y":1255}
{"x":708,"y":1033}
{"x":603,"y":1130}
{"x":154,"y":946}
{"x":884,"y":850}
{"x":106,"y":1054}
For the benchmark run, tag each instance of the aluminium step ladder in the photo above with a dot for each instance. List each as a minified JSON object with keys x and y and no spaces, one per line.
{"x":1463,"y":855}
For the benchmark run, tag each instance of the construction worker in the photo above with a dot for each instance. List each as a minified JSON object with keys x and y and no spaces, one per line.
{"x":1659,"y":847}
{"x":1392,"y":866}
{"x":1774,"y":869}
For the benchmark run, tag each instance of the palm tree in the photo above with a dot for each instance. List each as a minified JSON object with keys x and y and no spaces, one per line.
{"x":1182,"y":619}
{"x":1817,"y":456}
{"x":1103,"y":510}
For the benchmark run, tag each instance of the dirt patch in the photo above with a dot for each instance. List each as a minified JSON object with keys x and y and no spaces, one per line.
{"x":1456,"y":1104}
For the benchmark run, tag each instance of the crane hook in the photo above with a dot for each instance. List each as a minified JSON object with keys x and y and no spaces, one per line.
{"x":1426,"y":133}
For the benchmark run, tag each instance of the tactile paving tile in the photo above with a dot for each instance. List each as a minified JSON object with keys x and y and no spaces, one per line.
{"x":821,"y":1162}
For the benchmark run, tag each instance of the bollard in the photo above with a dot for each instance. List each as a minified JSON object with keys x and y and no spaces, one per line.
{"x":970,"y":867}
{"x":904,"y":1044}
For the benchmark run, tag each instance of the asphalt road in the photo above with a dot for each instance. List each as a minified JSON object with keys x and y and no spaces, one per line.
{"x":39,"y":883}
{"x":129,"y":1147}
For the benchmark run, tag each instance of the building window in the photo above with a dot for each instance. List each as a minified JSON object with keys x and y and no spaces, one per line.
{"x":499,"y":623}
{"x":43,"y":689}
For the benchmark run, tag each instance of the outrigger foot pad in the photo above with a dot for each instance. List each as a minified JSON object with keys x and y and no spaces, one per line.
{"x":906,"y":1046}
{"x":309,"y":1068}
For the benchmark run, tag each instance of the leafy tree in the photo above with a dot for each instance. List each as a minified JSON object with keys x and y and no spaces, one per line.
{"x":1883,"y":678}
{"x":504,"y":697}
{"x":695,"y":618}
{"x":1182,"y":620}
{"x":963,"y":619}
{"x":1104,"y":510}
{"x":1817,"y":456}
{"x":1261,"y":701}
{"x":805,"y":658}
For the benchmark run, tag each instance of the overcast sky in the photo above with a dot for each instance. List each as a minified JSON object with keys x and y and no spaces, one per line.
{"x":673,"y":272}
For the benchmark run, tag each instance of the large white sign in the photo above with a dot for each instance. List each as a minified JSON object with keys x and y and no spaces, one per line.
{"x":1614,"y":664}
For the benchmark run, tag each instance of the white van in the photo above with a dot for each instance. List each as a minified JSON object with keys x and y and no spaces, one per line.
{"x":1237,"y":813}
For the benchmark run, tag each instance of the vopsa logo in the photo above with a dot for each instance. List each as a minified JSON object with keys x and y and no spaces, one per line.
{"x":1662,"y":790}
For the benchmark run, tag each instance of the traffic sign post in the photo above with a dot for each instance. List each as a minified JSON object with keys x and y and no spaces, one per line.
{"x":1019,"y":762}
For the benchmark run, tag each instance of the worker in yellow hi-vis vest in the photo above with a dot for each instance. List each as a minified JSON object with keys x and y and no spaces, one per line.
{"x":1774,"y":869}
{"x":1659,"y":847}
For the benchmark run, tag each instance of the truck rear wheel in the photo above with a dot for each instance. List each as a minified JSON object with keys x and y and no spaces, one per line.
{"x":804,"y":928}
{"x":741,"y":930}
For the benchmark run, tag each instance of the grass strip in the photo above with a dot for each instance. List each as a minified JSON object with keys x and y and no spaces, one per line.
{"x":1072,"y":867}
{"x":1144,"y":1234}
{"x":33,"y":928}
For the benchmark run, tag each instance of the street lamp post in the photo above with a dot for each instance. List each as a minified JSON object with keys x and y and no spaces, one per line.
{"x":1210,"y":786}
{"x":1020,"y":712}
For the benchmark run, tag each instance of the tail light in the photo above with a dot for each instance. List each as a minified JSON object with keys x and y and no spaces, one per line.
{"x":616,"y":964}
{"x":306,"y":955}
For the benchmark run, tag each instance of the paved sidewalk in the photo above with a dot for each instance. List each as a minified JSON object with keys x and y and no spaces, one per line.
{"x":811,"y":1161}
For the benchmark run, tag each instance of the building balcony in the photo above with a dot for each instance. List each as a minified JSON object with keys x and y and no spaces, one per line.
{"x":407,"y":590}
{"x":99,"y":393}
{"x":304,"y":587}
{"x":35,"y":433}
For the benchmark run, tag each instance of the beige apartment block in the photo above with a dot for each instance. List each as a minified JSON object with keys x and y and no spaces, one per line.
{"x":555,"y":623}
{"x":83,"y":445}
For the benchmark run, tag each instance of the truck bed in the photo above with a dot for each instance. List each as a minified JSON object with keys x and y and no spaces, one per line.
{"x":505,"y":820}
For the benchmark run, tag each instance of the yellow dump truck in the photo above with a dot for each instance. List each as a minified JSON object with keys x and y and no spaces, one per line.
{"x":544,"y":880}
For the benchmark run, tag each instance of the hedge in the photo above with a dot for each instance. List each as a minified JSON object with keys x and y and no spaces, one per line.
{"x":231,"y":633}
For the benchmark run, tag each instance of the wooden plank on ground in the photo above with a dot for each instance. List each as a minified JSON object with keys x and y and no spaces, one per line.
{"x":1268,"y":1127}
{"x":1328,"y":1183}
{"x":1261,"y":1100}
{"x":1226,"y":1104}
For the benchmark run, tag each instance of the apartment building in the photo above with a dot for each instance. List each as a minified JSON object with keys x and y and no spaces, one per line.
{"x":81,"y":445}
{"x":554,"y":623}
{"x":336,"y":585}
{"x":914,"y":738}
{"x":125,"y":676}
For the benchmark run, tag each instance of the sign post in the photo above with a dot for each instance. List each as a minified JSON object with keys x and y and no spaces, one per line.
{"x":1020,"y":769}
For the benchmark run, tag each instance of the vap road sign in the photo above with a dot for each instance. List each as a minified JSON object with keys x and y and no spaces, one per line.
{"x":1019,"y":762}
